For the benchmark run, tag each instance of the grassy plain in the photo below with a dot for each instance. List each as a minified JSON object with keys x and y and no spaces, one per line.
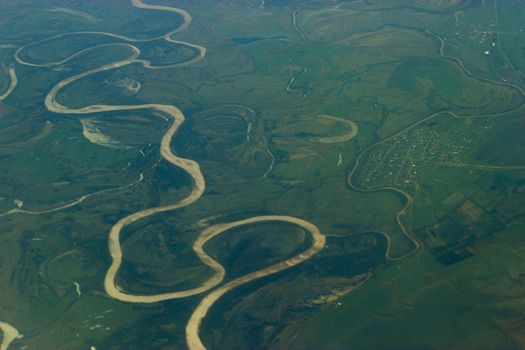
{"x":440,"y":128}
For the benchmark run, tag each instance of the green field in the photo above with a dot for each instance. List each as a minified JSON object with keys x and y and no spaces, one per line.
{"x":395,"y":127}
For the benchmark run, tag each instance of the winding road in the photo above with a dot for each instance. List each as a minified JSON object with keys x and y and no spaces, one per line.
{"x":189,"y":166}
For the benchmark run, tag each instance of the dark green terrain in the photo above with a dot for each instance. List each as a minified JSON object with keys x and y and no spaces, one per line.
{"x":396,"y":127}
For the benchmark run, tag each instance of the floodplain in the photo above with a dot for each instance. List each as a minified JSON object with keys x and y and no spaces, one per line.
{"x":329,"y":174}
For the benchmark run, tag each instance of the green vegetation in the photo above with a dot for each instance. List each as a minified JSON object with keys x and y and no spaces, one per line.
{"x":480,"y":304}
{"x":395,"y":127}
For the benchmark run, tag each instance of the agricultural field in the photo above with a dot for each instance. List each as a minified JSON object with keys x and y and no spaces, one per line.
{"x":262,"y":174}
